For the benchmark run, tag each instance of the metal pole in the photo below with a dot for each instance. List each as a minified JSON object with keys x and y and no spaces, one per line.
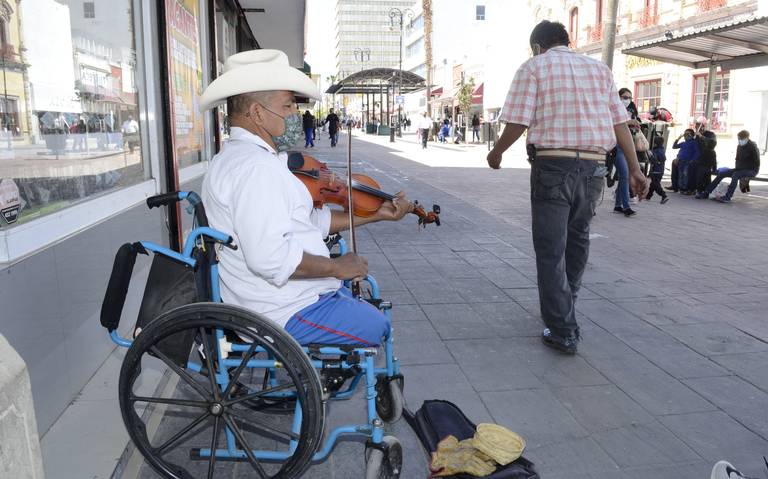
{"x":609,"y":33}
{"x":711,"y":79}
{"x":400,"y":83}
{"x":5,"y":101}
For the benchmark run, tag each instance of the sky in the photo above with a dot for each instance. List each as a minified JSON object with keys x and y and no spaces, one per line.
{"x":321,"y":37}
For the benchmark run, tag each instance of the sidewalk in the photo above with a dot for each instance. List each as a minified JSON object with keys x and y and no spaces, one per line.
{"x":671,"y":374}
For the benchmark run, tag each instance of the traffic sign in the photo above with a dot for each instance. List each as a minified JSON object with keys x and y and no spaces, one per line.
{"x":400,"y":100}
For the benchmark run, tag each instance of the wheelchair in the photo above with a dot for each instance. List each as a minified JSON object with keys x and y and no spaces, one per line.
{"x":206,"y":386}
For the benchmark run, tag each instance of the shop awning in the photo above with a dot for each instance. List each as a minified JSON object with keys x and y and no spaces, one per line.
{"x":437,"y":91}
{"x":477,"y":95}
{"x":731,"y":45}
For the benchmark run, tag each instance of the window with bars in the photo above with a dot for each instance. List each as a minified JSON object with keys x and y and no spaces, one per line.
{"x":707,"y":5}
{"x":89,"y":9}
{"x":479,"y":12}
{"x":719,"y":120}
{"x":647,"y":94}
{"x":650,"y":14}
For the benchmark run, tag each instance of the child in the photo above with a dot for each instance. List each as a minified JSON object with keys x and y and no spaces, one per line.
{"x":658,"y":158}
{"x":445,"y":131}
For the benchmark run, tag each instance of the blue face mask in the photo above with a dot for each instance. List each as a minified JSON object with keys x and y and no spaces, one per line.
{"x":292,"y":132}
{"x":743,"y":142}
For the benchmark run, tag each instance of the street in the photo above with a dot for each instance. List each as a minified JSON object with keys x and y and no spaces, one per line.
{"x":670,"y":376}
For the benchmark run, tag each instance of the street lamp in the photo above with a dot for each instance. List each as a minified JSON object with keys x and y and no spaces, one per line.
{"x":396,"y":18}
{"x":364,"y":54}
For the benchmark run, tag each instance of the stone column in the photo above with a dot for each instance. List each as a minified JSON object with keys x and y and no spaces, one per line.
{"x":20,"y":456}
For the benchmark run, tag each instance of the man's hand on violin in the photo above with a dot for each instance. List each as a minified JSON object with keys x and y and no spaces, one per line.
{"x":350,"y":266}
{"x":394,"y":210}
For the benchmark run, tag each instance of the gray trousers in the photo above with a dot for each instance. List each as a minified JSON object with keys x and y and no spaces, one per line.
{"x":564,"y":195}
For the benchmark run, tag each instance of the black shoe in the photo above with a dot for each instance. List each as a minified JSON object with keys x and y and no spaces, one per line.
{"x":664,"y":200}
{"x":564,"y":345}
{"x":618,"y":209}
{"x":629,"y":212}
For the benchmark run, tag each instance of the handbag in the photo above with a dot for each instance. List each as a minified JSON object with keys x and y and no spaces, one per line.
{"x":641,"y":142}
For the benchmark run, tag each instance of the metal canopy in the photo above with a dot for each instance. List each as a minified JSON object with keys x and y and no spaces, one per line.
{"x":372,"y":80}
{"x":732,"y":45}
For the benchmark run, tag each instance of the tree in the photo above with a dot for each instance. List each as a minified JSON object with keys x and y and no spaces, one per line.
{"x":465,"y":97}
{"x":426,"y":6}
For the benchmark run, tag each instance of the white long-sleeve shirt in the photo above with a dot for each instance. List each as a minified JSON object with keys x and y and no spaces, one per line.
{"x":249,"y":193}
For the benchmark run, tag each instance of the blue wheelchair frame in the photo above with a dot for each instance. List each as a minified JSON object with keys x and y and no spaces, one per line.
{"x":373,"y":429}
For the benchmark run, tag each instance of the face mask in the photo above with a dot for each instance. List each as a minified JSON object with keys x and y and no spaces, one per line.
{"x":743,"y":142}
{"x":292,"y":132}
{"x":626,"y":103}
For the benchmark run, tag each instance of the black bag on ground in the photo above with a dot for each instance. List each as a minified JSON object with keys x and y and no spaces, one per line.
{"x":437,"y":419}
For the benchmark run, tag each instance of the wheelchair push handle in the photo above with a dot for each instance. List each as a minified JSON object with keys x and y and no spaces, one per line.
{"x":194,"y":200}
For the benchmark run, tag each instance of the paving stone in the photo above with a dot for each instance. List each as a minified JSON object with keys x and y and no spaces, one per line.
{"x":652,"y":388}
{"x":508,"y":318}
{"x":492,"y":365}
{"x":478,"y":290}
{"x":644,"y":445}
{"x":600,"y":408}
{"x":535,"y":414}
{"x":714,"y":435}
{"x":573,"y":458}
{"x":700,"y":469}
{"x":407,"y":312}
{"x":741,"y":400}
{"x":555,"y":369}
{"x":752,"y":367}
{"x":674,"y":311}
{"x":715,"y":338}
{"x":447,"y":382}
{"x":507,"y":277}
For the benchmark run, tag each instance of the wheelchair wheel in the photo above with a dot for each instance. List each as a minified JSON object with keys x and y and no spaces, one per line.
{"x":389,"y":398}
{"x":198,"y":415}
{"x":384,"y":461}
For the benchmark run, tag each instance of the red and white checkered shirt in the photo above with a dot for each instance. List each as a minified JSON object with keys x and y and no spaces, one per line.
{"x":567,"y":100}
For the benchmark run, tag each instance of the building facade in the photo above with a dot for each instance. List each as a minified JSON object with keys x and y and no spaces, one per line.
{"x":482,"y":42}
{"x":741,"y":96}
{"x":99,"y":112}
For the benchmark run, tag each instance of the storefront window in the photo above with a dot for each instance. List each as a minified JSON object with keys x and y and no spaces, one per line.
{"x":719,"y":120}
{"x":69,"y":108}
{"x":185,"y":76}
{"x":226,"y":46}
{"x":647,"y":94}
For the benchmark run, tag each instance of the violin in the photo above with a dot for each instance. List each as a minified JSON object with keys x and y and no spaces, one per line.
{"x":325,"y":186}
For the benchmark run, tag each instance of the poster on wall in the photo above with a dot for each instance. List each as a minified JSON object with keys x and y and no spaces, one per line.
{"x":185,"y":77}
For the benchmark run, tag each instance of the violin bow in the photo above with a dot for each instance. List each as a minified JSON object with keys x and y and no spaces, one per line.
{"x":354,"y":285}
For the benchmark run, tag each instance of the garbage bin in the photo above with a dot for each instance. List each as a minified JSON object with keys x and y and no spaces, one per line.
{"x":370,"y":128}
{"x":384,"y":130}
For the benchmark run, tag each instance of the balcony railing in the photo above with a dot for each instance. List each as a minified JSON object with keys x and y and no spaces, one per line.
{"x":707,"y":5}
{"x":595,"y":33}
{"x":648,"y":18}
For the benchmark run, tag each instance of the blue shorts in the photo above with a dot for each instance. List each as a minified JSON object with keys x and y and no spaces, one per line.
{"x":339,"y":318}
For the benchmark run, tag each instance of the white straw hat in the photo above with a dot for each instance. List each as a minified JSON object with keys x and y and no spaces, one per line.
{"x":257,"y":70}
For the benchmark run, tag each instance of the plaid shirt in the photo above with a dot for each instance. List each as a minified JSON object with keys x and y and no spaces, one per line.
{"x":567,"y":100}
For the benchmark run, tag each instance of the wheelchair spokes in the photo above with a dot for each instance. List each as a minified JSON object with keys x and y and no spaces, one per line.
{"x":216,"y":408}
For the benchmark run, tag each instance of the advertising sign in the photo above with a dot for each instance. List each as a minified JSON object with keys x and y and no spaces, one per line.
{"x":185,"y":70}
{"x":10,"y":201}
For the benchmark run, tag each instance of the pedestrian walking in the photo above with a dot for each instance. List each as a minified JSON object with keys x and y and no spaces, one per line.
{"x":308,"y":122}
{"x":424,"y":125}
{"x":333,"y":127}
{"x":567,"y":167}
{"x":475,"y":127}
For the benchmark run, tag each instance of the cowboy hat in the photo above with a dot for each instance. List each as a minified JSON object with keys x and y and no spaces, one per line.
{"x":256,"y":70}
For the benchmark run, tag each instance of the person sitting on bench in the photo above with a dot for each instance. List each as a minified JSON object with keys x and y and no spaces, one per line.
{"x":282,"y":268}
{"x":747,"y":166}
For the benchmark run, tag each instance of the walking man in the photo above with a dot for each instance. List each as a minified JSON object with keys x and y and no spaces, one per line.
{"x":333,"y":127}
{"x":425,"y":124}
{"x":567,"y":169}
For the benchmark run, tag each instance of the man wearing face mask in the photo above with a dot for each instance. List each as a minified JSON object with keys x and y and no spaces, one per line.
{"x":282,"y":268}
{"x":747,"y":166}
{"x":547,"y":96}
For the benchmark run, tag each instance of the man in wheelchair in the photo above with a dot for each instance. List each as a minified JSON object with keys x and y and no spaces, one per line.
{"x":282,"y":268}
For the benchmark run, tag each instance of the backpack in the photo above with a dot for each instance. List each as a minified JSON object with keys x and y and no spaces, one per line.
{"x":437,"y":419}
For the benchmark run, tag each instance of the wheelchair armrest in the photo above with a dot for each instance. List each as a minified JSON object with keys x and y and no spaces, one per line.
{"x":119,"y":281}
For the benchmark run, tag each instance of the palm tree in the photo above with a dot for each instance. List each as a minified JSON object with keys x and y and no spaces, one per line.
{"x":426,"y":6}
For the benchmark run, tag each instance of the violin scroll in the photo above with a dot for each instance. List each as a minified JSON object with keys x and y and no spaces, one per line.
{"x":426,"y":218}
